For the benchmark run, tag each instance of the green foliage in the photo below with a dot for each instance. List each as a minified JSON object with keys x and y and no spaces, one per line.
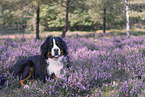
{"x":80,"y":17}
{"x":52,"y":16}
{"x":84,"y":14}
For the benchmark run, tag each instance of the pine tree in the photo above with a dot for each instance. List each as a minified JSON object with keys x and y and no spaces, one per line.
{"x":66,"y":19}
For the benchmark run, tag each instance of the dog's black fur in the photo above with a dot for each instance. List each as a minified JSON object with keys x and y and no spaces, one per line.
{"x":38,"y":62}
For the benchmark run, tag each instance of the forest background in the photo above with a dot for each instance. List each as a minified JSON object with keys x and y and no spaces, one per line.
{"x":21,"y":16}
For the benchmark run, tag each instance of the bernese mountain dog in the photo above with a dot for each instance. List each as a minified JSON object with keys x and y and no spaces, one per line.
{"x":53,"y":62}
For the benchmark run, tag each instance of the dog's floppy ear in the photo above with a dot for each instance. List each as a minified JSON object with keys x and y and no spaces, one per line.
{"x":45,"y":46}
{"x":64,"y":47}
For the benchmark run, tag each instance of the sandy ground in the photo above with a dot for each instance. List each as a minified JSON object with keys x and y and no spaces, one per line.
{"x":44,"y":34}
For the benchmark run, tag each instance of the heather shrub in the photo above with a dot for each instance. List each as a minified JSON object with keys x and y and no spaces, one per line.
{"x":99,"y":67}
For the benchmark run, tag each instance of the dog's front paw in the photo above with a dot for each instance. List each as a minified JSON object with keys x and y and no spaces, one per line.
{"x":26,"y":87}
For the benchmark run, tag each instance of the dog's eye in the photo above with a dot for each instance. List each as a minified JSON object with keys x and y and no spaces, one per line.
{"x":56,"y":42}
{"x":51,"y":44}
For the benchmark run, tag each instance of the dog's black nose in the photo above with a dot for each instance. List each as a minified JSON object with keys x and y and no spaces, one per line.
{"x":56,"y":51}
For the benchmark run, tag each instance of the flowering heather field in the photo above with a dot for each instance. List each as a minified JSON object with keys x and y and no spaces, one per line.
{"x":100,"y":67}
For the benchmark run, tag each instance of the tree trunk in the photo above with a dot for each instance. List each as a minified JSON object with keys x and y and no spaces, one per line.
{"x":104,"y":20}
{"x":121,"y":20}
{"x":127,"y":19}
{"x":18,"y":25}
{"x":37,"y":21}
{"x":66,"y":19}
{"x":2,"y":12}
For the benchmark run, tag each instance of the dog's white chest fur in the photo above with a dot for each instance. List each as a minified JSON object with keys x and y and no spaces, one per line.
{"x":55,"y":66}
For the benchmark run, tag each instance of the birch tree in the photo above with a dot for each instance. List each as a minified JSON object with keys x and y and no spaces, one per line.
{"x":127,"y":19}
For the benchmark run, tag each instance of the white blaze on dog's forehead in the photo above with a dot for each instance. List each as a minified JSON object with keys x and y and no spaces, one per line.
{"x":55,"y":47}
{"x":54,"y":44}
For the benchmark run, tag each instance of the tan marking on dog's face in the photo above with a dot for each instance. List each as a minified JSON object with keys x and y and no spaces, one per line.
{"x":62,"y":52}
{"x":49,"y":54}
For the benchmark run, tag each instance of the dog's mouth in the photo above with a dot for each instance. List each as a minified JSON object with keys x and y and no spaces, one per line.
{"x":54,"y":56}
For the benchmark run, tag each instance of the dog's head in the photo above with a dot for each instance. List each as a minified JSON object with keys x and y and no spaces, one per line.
{"x":53,"y":47}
